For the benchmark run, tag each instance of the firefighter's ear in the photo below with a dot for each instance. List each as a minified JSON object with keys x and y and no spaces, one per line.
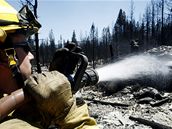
{"x":3,"y":36}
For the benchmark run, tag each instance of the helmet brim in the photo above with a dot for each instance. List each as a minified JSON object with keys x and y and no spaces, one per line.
{"x":11,"y":20}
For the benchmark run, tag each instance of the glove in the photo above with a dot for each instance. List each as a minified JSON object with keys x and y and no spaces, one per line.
{"x":60,"y":60}
{"x":64,"y":59}
{"x":78,"y":118}
{"x":53,"y":96}
{"x":52,"y":93}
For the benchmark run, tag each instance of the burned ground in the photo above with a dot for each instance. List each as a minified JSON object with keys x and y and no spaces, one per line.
{"x":124,"y":104}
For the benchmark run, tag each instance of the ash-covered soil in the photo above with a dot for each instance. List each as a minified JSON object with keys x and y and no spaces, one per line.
{"x":117,"y":117}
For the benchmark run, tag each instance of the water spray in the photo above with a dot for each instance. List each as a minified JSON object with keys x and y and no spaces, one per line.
{"x":143,"y":68}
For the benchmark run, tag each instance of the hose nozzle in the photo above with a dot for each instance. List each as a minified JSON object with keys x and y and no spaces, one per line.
{"x":90,"y":78}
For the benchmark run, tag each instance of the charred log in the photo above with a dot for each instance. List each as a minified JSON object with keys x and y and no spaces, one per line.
{"x":108,"y":103}
{"x":153,"y":124}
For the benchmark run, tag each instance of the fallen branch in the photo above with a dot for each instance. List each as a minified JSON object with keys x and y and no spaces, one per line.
{"x":159,"y":103}
{"x":153,"y":124}
{"x":108,"y":103}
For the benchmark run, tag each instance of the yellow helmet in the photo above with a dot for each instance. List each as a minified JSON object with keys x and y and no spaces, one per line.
{"x":11,"y":20}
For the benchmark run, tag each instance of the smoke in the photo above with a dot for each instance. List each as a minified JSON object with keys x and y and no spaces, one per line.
{"x":146,"y":68}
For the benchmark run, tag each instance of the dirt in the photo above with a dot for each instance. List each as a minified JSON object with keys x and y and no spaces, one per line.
{"x":117,"y":117}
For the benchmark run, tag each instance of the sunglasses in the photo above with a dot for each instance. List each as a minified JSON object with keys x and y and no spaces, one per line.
{"x":25,"y":45}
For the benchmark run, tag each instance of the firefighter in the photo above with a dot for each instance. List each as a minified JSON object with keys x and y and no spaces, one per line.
{"x":42,"y":99}
{"x":134,"y":45}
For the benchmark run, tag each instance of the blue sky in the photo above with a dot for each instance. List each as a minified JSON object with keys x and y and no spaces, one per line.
{"x":64,"y":16}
